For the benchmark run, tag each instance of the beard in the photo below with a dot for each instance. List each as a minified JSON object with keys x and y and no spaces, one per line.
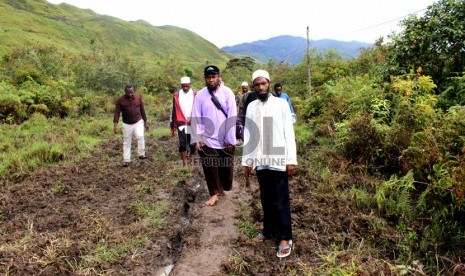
{"x":212,"y":87}
{"x":263,"y":96}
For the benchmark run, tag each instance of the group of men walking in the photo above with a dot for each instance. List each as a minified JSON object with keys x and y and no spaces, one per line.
{"x":206,"y":122}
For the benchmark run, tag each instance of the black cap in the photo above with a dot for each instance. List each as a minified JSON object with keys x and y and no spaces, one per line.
{"x":211,"y":70}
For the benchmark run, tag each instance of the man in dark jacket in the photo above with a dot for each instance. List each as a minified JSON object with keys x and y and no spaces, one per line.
{"x":134,"y":122}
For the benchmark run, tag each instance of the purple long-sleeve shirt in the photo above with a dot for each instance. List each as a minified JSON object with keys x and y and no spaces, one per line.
{"x":208,"y":124}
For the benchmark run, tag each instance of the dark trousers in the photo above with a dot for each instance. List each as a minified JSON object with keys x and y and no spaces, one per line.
{"x":185,"y":142}
{"x":218,"y":167}
{"x":274,"y":194}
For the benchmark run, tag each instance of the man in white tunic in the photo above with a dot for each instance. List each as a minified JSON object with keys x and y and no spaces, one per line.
{"x":183,"y":100}
{"x":270,"y":149}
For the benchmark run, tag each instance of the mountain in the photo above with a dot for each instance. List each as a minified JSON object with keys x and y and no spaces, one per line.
{"x":292,"y":49}
{"x":30,"y":22}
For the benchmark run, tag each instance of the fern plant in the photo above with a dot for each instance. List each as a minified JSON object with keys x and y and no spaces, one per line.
{"x":394,"y":197}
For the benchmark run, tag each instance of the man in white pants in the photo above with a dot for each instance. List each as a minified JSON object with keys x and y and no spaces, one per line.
{"x":134,"y":122}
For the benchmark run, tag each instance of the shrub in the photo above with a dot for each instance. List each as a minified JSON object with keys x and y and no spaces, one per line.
{"x":9,"y":105}
{"x":359,"y":139}
{"x":41,"y":108}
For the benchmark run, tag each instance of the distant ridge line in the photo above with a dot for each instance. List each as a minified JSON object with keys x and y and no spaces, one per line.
{"x":292,"y":49}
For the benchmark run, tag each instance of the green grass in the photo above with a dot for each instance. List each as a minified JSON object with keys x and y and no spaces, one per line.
{"x":144,"y":188}
{"x":31,"y":22}
{"x":362,"y":198}
{"x":88,"y":141}
{"x":42,"y":141}
{"x":160,"y":132}
{"x":302,"y":133}
{"x":181,"y":173}
{"x":244,"y":224}
{"x":58,"y":188}
{"x":106,"y":252}
{"x":151,"y":212}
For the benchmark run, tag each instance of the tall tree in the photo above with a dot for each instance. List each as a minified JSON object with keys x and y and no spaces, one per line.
{"x":434,"y":43}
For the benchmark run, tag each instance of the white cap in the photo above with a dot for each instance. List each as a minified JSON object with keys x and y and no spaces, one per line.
{"x":260,"y":73}
{"x":245,"y":84}
{"x":185,"y":80}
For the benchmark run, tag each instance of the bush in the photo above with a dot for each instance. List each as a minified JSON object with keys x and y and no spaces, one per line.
{"x":9,"y":104}
{"x":360,"y":141}
{"x":41,"y":108}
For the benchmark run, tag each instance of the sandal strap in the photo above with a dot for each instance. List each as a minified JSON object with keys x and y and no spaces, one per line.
{"x":286,"y":248}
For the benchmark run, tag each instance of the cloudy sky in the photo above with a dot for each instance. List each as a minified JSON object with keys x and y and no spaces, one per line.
{"x":226,"y":23}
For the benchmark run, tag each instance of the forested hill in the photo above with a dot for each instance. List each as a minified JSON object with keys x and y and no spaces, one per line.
{"x":31,"y":22}
{"x":292,"y":49}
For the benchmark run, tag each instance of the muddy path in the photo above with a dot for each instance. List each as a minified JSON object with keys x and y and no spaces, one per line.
{"x":206,"y":252}
{"x":94,"y":217}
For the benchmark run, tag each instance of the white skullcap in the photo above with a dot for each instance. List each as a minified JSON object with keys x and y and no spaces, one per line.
{"x":244,"y":84}
{"x":185,"y":80}
{"x":260,"y":73}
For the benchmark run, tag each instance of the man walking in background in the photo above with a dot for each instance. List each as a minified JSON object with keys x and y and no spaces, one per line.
{"x":213,"y":132}
{"x":247,"y":98}
{"x":270,"y":149}
{"x":183,"y":100}
{"x":240,"y":95}
{"x":241,"y":113}
{"x":134,"y":122}
{"x":278,"y":92}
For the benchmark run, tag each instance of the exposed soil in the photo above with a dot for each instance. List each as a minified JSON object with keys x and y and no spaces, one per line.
{"x":96,"y":217}
{"x":55,"y":221}
{"x":203,"y":254}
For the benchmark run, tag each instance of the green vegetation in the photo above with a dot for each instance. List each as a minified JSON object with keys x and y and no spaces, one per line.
{"x":391,"y":120}
{"x":244,"y":225}
{"x":37,"y":22}
{"x":151,"y":213}
{"x":42,"y":141}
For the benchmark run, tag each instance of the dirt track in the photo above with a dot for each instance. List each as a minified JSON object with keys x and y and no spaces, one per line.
{"x":95,"y":217}
{"x":55,"y":221}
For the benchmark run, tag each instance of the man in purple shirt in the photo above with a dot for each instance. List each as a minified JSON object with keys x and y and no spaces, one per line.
{"x":134,"y":121}
{"x":213,"y":126}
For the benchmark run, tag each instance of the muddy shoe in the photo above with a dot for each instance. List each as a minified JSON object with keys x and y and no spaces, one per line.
{"x":142,"y":157}
{"x":125,"y":164}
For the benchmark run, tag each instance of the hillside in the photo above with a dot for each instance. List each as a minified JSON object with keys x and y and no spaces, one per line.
{"x":28,"y":22}
{"x":292,"y":49}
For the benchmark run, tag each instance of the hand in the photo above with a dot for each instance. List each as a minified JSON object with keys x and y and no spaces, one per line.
{"x":146,"y":126}
{"x":115,"y":129}
{"x":290,"y":169}
{"x":230,"y":149}
{"x":172,"y":132}
{"x":198,"y":146}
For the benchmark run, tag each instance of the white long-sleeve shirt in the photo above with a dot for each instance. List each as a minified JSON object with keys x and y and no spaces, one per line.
{"x":269,"y":139}
{"x":186,"y":101}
